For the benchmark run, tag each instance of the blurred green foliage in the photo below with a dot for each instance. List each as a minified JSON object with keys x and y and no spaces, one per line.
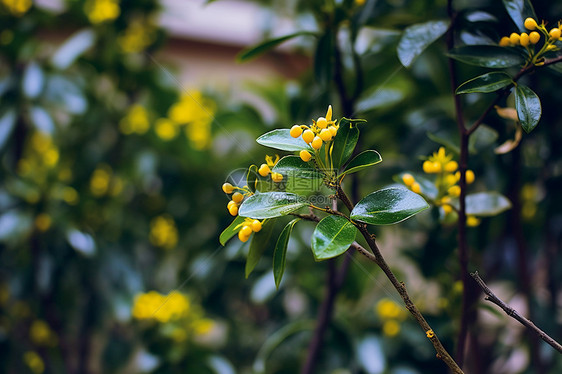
{"x":110,"y":198}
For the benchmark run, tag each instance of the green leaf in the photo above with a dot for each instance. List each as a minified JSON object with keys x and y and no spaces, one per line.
{"x":280,"y":252}
{"x":332,"y":237}
{"x":362,"y":161}
{"x":299,"y":176}
{"x":32,"y":80}
{"x":528,"y":107}
{"x":417,"y":38}
{"x":486,"y":204}
{"x":270,"y":204}
{"x":388,"y":206}
{"x":230,"y":231}
{"x":483,"y":137}
{"x":72,"y":48}
{"x":323,"y":58}
{"x":345,"y":141}
{"x":447,"y":142}
{"x":490,"y":82}
{"x":380,"y":98}
{"x":7,"y":125}
{"x":267,"y":45}
{"x":489,"y":56}
{"x":258,"y":245}
{"x":519,"y":11}
{"x":252,"y":177}
{"x":281,"y":139}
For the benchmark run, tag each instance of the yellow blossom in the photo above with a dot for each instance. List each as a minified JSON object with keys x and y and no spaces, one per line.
{"x":386,"y":309}
{"x":41,"y":334}
{"x":99,"y":11}
{"x":391,"y":328}
{"x":34,"y":362}
{"x":136,"y":121}
{"x":43,"y":222}
{"x":163,"y":232}
{"x":139,"y":35}
{"x":166,"y":129}
{"x":17,"y":7}
{"x":99,"y":182}
{"x":162,"y":308}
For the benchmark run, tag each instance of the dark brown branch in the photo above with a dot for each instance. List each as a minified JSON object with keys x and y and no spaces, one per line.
{"x":514,"y":314}
{"x":377,"y":257}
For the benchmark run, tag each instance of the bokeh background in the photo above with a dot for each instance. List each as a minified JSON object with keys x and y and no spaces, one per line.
{"x":121,"y":119}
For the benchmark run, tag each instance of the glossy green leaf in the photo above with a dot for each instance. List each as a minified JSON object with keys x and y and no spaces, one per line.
{"x":345,"y":141}
{"x":252,"y":177}
{"x":528,"y":107}
{"x":489,"y":56}
{"x":7,"y":125}
{"x":387,"y":206}
{"x":32,"y":80}
{"x":231,"y":230}
{"x":267,"y":45}
{"x":332,"y":237}
{"x":298,"y":176}
{"x":279,"y":256}
{"x":490,"y":82}
{"x":450,"y":144}
{"x":486,"y":204}
{"x":417,"y":38}
{"x":483,"y":137}
{"x":519,"y":11}
{"x":270,"y":204}
{"x":362,"y":161}
{"x":281,"y":139}
{"x":73,"y":48}
{"x":258,"y":245}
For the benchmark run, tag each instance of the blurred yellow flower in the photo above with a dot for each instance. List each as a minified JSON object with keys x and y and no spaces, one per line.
{"x":387,"y":309}
{"x":163,"y":232}
{"x":166,"y":129}
{"x":391,"y":328}
{"x":138,"y":35}
{"x":69,"y":195}
{"x":17,"y":7}
{"x":203,"y":326}
{"x":99,"y":182}
{"x":43,"y":222}
{"x":41,"y":334}
{"x":99,"y":11}
{"x":34,"y":362}
{"x":136,"y":121}
{"x":159,"y":307}
{"x":197,"y":113}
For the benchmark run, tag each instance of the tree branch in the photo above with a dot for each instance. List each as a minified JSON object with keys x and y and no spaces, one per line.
{"x":377,"y":258}
{"x":514,"y":314}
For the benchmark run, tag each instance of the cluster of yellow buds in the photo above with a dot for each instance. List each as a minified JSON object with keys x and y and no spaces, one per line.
{"x":323,"y":130}
{"x":237,"y":196}
{"x":527,"y":40}
{"x":265,"y":169}
{"x":447,"y":177}
{"x":248,"y":227}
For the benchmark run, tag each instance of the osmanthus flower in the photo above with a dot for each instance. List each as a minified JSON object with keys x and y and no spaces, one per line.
{"x":444,"y":189}
{"x":531,"y":42}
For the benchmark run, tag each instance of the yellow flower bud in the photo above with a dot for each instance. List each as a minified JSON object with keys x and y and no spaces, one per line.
{"x":246,"y":231}
{"x":408,"y":179}
{"x":454,"y":191}
{"x":230,"y":204}
{"x":227,"y":188}
{"x":307,"y":136}
{"x":469,"y":176}
{"x":505,"y":42}
{"x":451,"y":166}
{"x":447,"y":208}
{"x":305,"y":155}
{"x":325,"y":135}
{"x":233,"y":210}
{"x":333,"y":130}
{"x":450,"y":179}
{"x":472,"y":221}
{"x":530,"y":24}
{"x":416,"y":187}
{"x":256,"y":225}
{"x":296,"y":131}
{"x":243,"y":238}
{"x":237,"y":197}
{"x":534,"y":37}
{"x":427,"y":167}
{"x":329,"y":113}
{"x":322,"y":123}
{"x":524,"y":40}
{"x":264,"y":170}
{"x":276,"y":177}
{"x":514,"y":38}
{"x":554,"y":33}
{"x":316,"y":143}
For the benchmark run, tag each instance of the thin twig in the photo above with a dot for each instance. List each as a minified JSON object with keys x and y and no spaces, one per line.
{"x":514,"y":314}
{"x":377,"y":258}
